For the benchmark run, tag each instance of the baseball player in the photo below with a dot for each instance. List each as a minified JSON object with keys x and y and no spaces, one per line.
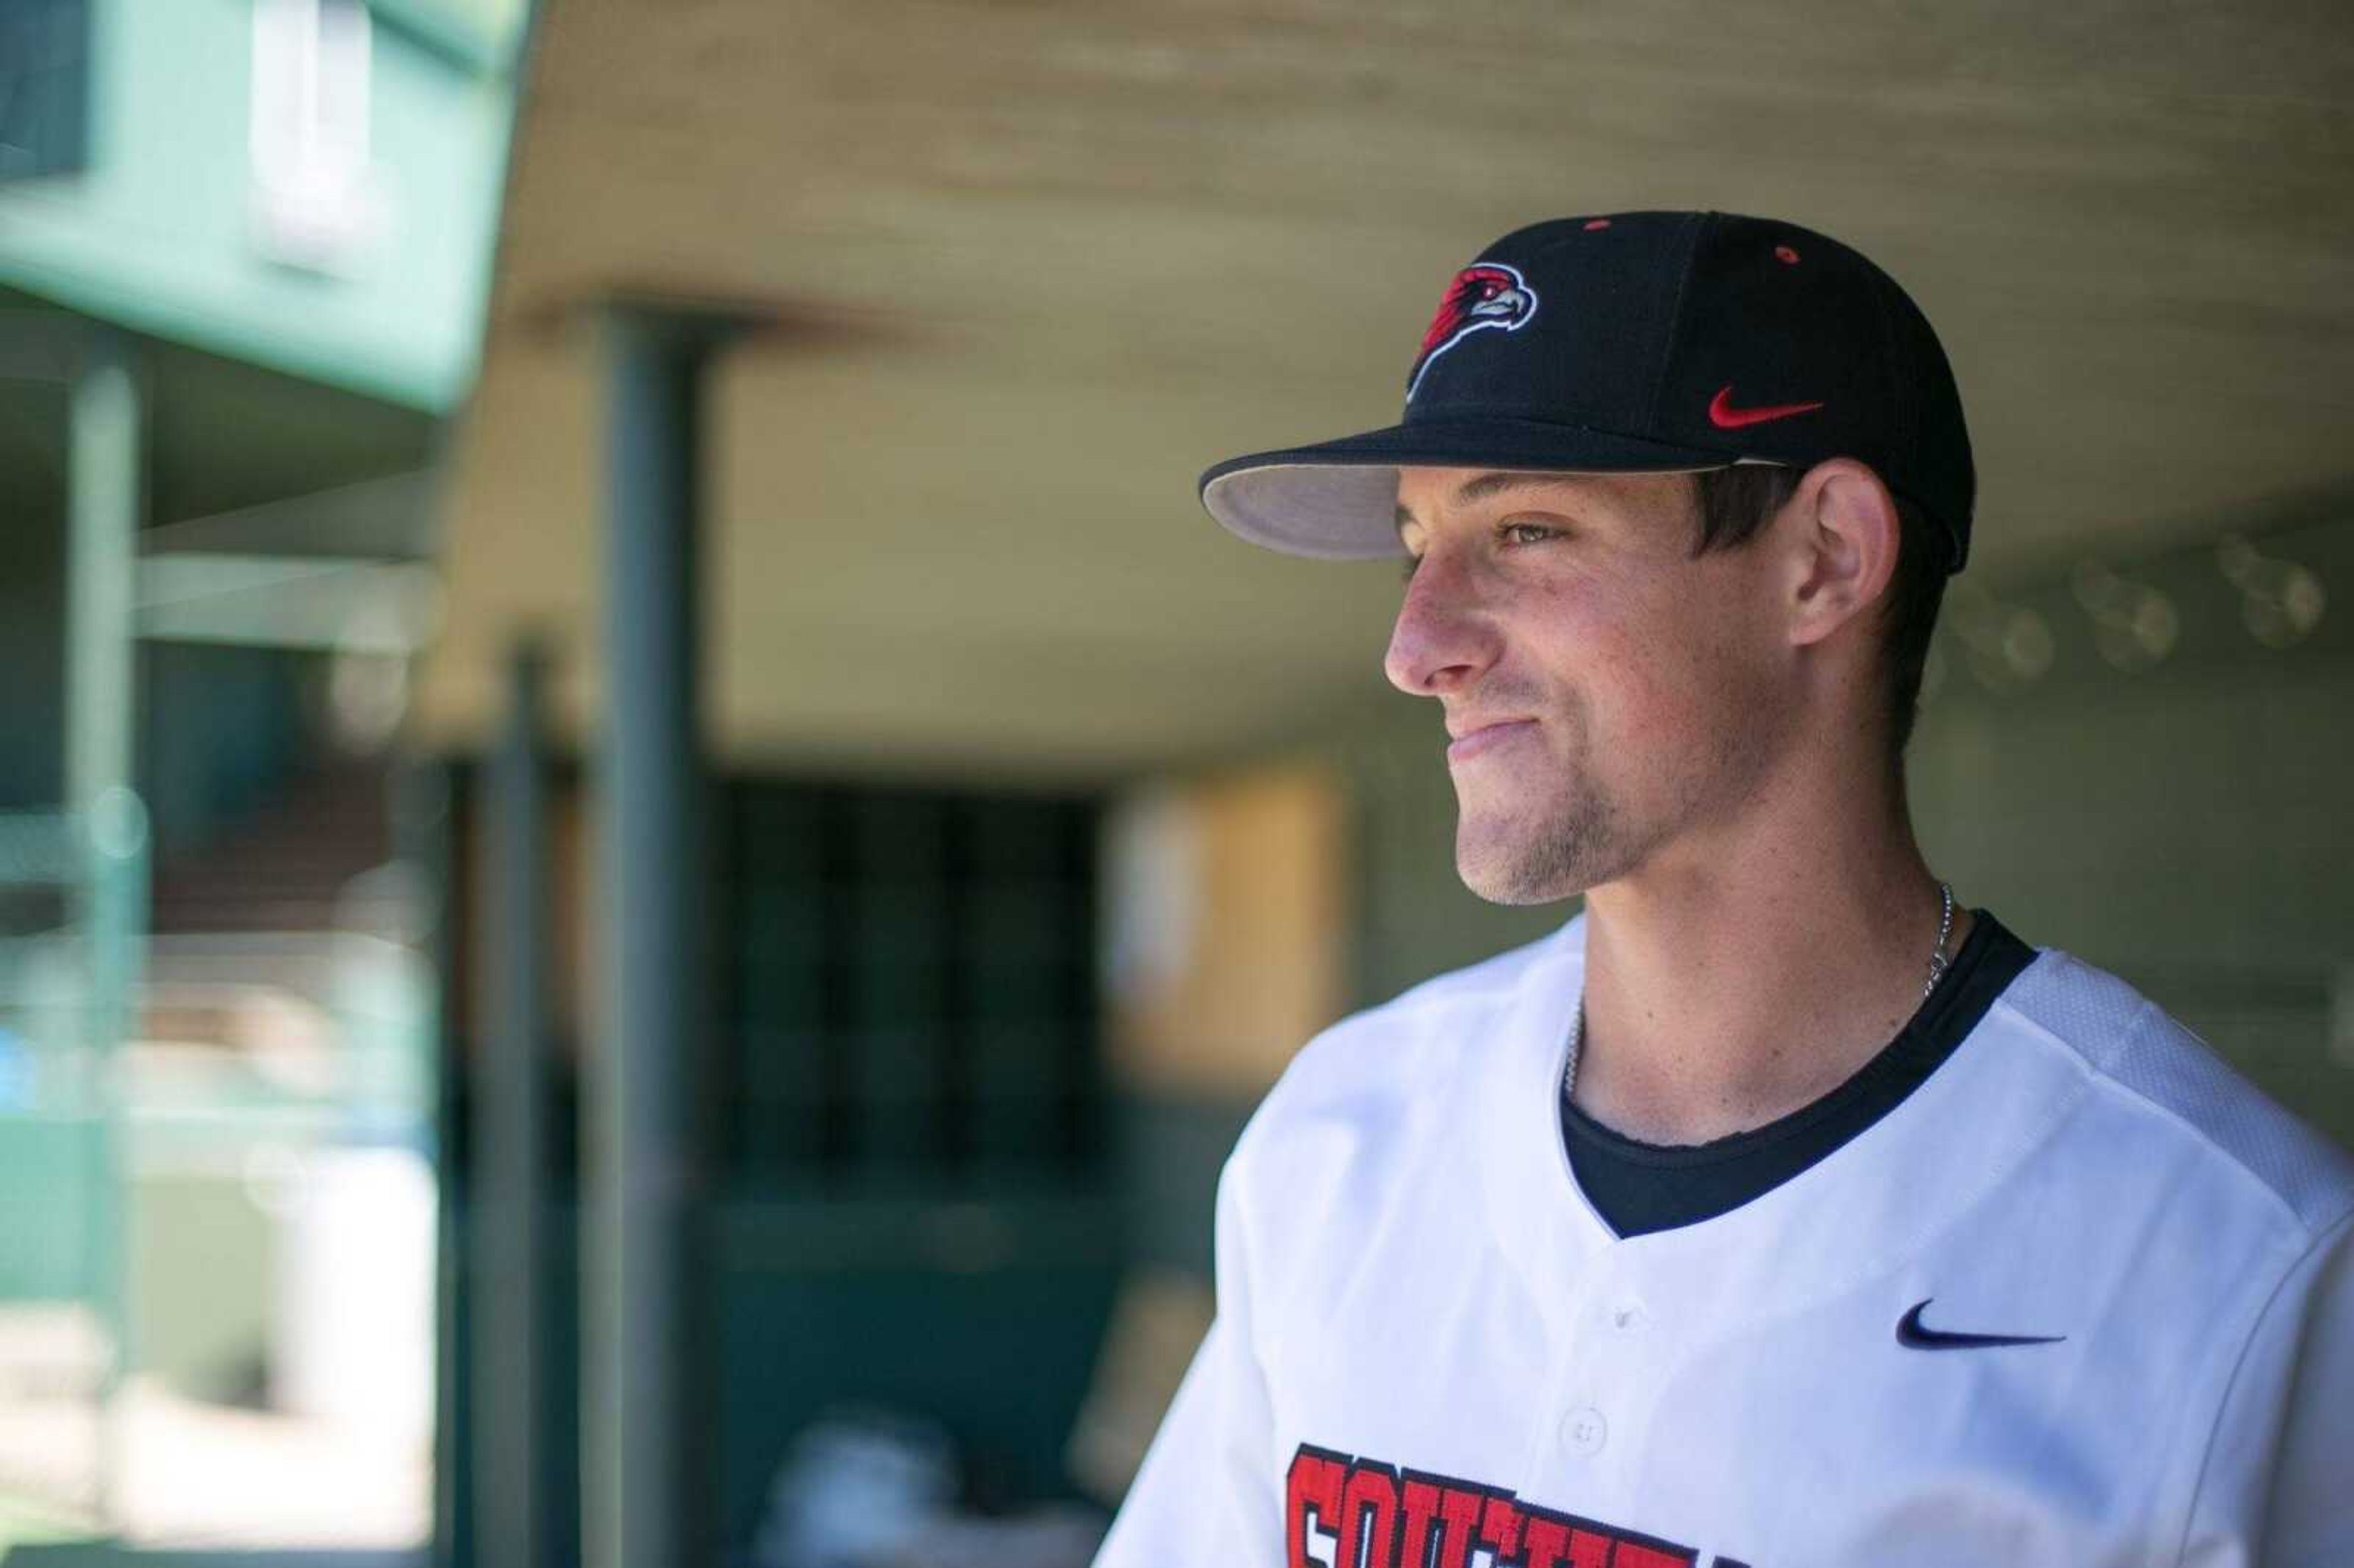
{"x":1775,"y":1211}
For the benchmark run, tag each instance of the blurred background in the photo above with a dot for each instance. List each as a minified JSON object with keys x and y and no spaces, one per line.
{"x":647,"y":854}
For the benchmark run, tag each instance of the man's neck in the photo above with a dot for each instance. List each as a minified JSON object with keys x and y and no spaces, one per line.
{"x":1739,"y":984}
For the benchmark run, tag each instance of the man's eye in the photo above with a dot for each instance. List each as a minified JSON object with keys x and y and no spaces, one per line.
{"x":1524,"y":533}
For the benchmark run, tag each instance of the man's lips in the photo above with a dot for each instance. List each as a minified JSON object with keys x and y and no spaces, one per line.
{"x":1470,"y":740}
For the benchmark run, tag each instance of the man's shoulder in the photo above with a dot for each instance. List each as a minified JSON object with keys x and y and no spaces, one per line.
{"x":2154,"y":1068}
{"x":1403,"y":1050}
{"x":1377,"y":1104}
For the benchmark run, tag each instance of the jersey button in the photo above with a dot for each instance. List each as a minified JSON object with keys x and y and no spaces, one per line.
{"x":1628,"y":1316}
{"x":1583,"y":1431}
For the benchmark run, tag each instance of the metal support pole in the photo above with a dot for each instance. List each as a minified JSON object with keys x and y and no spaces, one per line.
{"x":508,"y":1285}
{"x":106,"y":484}
{"x":646,"y":1433}
{"x":424,"y":836}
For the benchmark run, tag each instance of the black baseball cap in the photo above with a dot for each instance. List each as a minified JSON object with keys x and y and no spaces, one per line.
{"x":1637,"y":342}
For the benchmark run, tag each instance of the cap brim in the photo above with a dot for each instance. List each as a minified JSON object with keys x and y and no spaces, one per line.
{"x":1338,"y":500}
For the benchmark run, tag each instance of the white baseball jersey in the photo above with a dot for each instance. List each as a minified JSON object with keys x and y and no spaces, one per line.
{"x":1431,"y":1352}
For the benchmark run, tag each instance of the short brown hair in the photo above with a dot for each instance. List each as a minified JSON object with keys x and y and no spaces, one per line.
{"x":1734,"y":504}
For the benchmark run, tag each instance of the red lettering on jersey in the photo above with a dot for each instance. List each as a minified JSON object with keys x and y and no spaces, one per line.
{"x":1460,"y":1508}
{"x":1556,"y":1542}
{"x":1436,"y":1506}
{"x":1418,"y":1517}
{"x":1499,"y":1525}
{"x":1642,"y":1555}
{"x":1369,"y":1518}
{"x":1547,"y":1540}
{"x":1314,"y":1481}
{"x":1378,"y":1516}
{"x":1588,"y":1549}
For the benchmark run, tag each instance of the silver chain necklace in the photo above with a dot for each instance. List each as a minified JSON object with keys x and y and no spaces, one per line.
{"x":1945,"y":930}
{"x":1937,"y":965}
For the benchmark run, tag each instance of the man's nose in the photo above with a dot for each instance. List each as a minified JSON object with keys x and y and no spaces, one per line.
{"x":1443,"y":637}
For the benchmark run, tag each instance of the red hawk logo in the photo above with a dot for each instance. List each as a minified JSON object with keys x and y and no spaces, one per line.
{"x":1484,"y":294}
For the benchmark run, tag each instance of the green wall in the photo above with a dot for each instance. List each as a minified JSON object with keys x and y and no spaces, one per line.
{"x":156,"y":232}
{"x":47,"y":1165}
{"x":2186,"y":825}
{"x":845,"y":1305}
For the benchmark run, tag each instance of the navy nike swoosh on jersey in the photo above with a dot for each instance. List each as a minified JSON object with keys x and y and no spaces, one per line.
{"x":1913,"y":1335}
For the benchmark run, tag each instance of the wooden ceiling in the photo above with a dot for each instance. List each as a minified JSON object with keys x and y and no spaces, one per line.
{"x":1033,"y":265}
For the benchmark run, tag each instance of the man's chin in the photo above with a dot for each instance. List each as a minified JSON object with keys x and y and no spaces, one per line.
{"x":1501,"y":876}
{"x":1524,"y":858}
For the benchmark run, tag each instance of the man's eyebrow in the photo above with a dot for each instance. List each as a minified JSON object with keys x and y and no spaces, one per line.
{"x":1482,"y":487}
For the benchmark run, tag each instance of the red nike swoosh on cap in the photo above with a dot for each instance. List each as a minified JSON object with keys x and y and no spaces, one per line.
{"x":1725,"y":417}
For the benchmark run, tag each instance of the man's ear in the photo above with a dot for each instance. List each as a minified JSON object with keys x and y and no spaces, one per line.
{"x":1838,"y":535}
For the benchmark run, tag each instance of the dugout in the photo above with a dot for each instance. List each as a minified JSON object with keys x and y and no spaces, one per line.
{"x":951,"y":830}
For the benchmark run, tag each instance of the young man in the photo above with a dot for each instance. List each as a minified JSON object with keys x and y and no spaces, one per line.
{"x":1775,"y":1211}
